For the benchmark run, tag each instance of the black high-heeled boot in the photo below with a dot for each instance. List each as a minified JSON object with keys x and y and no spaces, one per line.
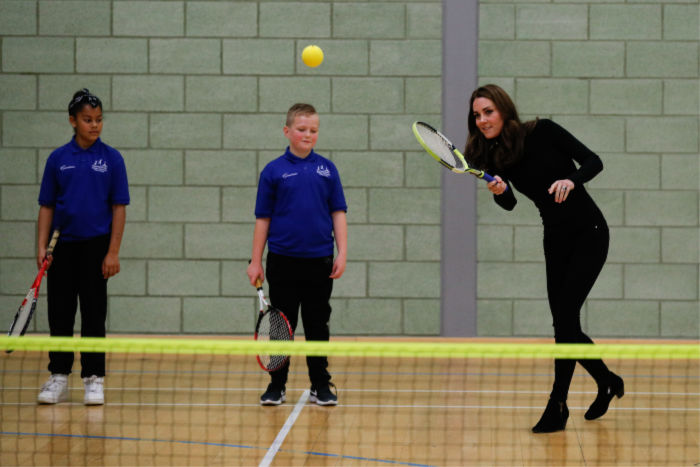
{"x":613,"y":386}
{"x":554,"y":417}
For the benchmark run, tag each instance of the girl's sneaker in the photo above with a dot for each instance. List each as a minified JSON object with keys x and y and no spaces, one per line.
{"x":94,"y":390}
{"x":54,"y":390}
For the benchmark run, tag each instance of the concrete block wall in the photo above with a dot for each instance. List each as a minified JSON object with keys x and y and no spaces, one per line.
{"x":623,"y":77}
{"x":195,"y":95}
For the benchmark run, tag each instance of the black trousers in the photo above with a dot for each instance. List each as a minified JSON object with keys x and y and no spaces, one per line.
{"x":574,"y":259}
{"x":302,"y":283}
{"x":76,"y":274}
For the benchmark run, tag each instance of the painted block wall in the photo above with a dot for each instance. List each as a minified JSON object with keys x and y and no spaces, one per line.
{"x":195,"y":95}
{"x":623,"y":77}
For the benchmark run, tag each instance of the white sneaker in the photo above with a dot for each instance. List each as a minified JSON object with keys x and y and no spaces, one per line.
{"x":54,"y":390}
{"x":94,"y":390}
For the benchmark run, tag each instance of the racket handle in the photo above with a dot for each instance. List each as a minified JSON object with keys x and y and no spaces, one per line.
{"x":258,"y":283}
{"x":52,"y":242}
{"x":51,"y":246}
{"x":489,"y":179}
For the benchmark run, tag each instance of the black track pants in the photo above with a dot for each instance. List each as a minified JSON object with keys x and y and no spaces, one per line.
{"x":303,"y":283}
{"x":76,"y":274}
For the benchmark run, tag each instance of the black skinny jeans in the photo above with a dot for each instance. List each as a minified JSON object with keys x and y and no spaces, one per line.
{"x":574,"y":259}
{"x":305,"y":283}
{"x":76,"y":274}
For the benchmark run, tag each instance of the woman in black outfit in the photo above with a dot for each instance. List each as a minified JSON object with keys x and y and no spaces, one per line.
{"x":537,"y":158}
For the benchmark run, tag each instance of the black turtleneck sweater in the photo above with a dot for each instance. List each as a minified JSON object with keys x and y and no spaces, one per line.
{"x":548,"y":155}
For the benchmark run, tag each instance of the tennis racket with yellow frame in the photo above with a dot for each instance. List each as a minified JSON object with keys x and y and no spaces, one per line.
{"x":442,"y":150}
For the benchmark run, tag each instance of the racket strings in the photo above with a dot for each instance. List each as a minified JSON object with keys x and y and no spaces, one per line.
{"x":23,"y":315}
{"x":273,"y":327}
{"x":440,"y":147}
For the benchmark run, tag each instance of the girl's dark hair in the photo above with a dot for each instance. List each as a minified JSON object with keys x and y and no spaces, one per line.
{"x":81,"y":99}
{"x":507,"y":148}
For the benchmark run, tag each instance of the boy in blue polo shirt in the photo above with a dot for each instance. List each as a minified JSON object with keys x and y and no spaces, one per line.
{"x":300,"y":209}
{"x":84,"y":193}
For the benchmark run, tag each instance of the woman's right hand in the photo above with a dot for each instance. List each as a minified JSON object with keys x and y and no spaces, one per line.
{"x":497,"y":186}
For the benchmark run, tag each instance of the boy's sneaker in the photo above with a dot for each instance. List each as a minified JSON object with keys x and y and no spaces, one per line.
{"x":322,"y":395}
{"x":94,"y":390}
{"x":54,"y":390}
{"x":273,"y":396}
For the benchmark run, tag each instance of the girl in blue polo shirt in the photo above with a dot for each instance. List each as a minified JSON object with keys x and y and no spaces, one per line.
{"x":84,"y":193}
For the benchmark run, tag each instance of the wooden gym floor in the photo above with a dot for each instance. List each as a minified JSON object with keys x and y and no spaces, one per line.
{"x":204,"y":410}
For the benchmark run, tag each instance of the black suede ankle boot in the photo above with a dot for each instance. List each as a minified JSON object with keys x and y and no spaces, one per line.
{"x":611,"y":387}
{"x":554,"y":417}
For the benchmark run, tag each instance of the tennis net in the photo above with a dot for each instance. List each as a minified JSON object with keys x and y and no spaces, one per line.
{"x":415,"y":403}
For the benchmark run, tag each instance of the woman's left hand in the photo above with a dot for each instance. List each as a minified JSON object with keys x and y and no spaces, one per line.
{"x":561,"y":190}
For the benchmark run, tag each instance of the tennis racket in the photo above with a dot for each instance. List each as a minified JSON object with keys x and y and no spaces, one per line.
{"x":26,"y":309}
{"x":272,"y":325}
{"x":437,"y":145}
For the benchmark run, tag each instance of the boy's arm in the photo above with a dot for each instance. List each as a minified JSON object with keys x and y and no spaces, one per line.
{"x":110,"y":264}
{"x":340,"y":231}
{"x":43,"y":232}
{"x":255,"y":268}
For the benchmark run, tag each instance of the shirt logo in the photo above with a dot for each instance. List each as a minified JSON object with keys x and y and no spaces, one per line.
{"x":289,"y":174}
{"x":66,"y":167}
{"x":99,"y":166}
{"x":323,"y":171}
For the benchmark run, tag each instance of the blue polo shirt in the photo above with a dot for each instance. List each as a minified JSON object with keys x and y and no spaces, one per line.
{"x":82,"y":185}
{"x":299,"y":195}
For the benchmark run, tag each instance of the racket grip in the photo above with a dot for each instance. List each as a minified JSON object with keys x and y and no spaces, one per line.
{"x":490,"y":179}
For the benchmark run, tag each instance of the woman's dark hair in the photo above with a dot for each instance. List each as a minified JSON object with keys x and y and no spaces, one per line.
{"x":507,"y":148}
{"x":81,"y":99}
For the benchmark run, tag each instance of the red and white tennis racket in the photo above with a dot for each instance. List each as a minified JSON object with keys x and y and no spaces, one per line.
{"x":272,"y":325}
{"x":26,"y":309}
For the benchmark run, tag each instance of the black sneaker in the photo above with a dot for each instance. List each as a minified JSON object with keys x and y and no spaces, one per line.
{"x":273,"y":396}
{"x":323,"y":395}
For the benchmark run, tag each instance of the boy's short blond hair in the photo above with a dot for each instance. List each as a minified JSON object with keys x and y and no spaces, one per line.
{"x":299,"y":109}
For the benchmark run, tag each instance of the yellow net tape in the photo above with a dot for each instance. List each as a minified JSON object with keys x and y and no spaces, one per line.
{"x":420,"y":349}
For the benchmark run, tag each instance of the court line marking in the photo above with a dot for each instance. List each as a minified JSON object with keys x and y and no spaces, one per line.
{"x":205,"y":443}
{"x":373,"y":390}
{"x":277,"y":443}
{"x":379,"y":406}
{"x":366,"y":373}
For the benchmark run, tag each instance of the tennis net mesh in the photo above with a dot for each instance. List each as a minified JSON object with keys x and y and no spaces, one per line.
{"x":196,"y":402}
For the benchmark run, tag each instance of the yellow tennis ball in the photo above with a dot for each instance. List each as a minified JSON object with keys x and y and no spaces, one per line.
{"x":312,"y":55}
